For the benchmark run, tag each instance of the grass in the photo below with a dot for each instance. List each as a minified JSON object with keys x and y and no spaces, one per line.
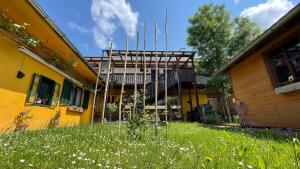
{"x":188,"y":146}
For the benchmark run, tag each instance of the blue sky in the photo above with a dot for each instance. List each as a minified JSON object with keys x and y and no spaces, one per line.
{"x":92,"y":24}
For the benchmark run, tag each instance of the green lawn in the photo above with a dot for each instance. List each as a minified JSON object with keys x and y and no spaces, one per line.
{"x":188,"y":146}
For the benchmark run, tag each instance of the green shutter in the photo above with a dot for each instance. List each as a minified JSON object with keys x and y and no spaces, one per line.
{"x":66,"y":92}
{"x":31,"y":96}
{"x":86,"y":97}
{"x":55,"y":95}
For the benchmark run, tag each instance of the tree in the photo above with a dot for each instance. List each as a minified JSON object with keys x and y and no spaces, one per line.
{"x":244,"y":32}
{"x":217,"y":38}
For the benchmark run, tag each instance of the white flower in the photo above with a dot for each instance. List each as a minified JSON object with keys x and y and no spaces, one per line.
{"x":241,"y":163}
{"x":294,"y":140}
{"x":22,"y":161}
{"x":73,"y":162}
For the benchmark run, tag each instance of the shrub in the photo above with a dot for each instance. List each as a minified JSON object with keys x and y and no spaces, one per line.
{"x":55,"y":120}
{"x":20,"y":122}
{"x":138,"y":123}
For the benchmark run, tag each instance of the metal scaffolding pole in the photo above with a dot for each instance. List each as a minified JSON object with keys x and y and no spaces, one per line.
{"x":106,"y":84}
{"x":123,"y":83}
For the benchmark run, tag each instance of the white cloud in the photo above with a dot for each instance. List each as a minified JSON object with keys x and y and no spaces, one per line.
{"x":79,"y":28}
{"x":108,"y":16}
{"x":236,"y":1}
{"x":266,"y":14}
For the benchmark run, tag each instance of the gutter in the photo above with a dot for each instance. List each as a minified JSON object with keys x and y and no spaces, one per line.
{"x":60,"y":33}
{"x":275,"y":27}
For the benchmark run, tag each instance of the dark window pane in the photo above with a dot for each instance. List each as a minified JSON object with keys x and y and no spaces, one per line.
{"x":46,"y":89}
{"x":66,"y":93}
{"x":86,"y":97}
{"x":277,"y":58}
{"x":283,"y":73}
{"x":280,"y":66}
{"x":71,"y":94}
{"x":293,"y":51}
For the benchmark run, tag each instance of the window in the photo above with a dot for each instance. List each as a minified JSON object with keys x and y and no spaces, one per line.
{"x":71,"y":94}
{"x":285,"y":63}
{"x":43,"y":91}
{"x":86,"y":97}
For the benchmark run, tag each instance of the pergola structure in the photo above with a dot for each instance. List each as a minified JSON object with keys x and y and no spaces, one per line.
{"x":180,"y":66}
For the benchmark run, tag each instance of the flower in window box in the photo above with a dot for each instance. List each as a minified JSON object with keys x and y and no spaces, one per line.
{"x":291,"y":78}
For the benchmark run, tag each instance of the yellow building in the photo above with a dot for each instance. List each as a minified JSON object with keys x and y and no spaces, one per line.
{"x":40,"y":78}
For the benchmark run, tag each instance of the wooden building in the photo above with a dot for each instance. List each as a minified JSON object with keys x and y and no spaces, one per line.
{"x":182,"y":82}
{"x":40,"y":78}
{"x":266,"y":76}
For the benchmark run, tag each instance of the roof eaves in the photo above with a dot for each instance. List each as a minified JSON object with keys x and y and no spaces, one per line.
{"x":60,"y":33}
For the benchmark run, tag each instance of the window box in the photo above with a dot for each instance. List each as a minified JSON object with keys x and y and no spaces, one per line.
{"x":75,"y":109}
{"x":287,"y":88}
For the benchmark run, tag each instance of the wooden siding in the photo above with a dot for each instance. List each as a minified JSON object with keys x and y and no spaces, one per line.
{"x":252,"y":84}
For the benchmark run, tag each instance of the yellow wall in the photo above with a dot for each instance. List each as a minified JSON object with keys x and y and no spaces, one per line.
{"x":185,"y":100}
{"x":13,"y":91}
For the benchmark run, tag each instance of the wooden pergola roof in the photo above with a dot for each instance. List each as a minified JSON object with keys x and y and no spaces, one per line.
{"x":183,"y":58}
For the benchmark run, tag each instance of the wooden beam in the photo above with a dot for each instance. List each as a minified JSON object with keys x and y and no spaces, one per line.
{"x":195,"y":87}
{"x":179,"y":85}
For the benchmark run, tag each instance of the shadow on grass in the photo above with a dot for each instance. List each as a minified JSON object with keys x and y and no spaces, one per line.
{"x":258,"y":133}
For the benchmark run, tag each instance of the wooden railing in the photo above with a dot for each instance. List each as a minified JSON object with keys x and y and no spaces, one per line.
{"x":129,"y":79}
{"x":186,"y":76}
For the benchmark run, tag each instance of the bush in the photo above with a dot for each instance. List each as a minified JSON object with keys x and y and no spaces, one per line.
{"x":212,"y":117}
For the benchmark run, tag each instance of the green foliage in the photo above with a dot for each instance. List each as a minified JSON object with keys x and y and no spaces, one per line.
{"x":188,"y":146}
{"x":137,"y":124}
{"x":209,"y":33}
{"x":244,"y":32}
{"x":211,"y":116}
{"x":217,"y":38}
{"x":23,"y":37}
{"x":111,"y":108}
{"x":55,"y":120}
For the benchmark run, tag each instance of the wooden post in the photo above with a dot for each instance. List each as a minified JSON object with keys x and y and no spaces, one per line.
{"x":190,"y":99}
{"x":195,"y":86}
{"x":106,"y":84}
{"x":95,"y":91}
{"x":166,"y":70}
{"x":156,"y":78}
{"x":135,"y":72}
{"x":111,"y":86}
{"x":145,"y":68}
{"x":123,"y":83}
{"x":179,"y":85}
